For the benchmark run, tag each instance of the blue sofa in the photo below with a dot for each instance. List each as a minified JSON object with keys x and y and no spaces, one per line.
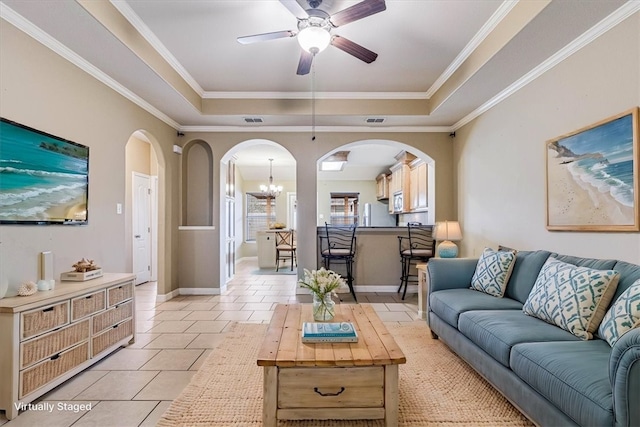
{"x":550,"y":375}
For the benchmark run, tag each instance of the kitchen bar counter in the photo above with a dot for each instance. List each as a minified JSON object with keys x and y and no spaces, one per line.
{"x":377,"y":262}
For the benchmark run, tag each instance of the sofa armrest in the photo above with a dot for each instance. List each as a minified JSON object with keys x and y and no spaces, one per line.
{"x":450,"y":273}
{"x":624,"y":373}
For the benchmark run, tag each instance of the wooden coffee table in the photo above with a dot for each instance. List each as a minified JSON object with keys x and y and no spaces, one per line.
{"x":329,"y":380}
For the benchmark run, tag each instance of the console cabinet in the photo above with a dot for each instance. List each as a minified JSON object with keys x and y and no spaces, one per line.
{"x":52,"y":335}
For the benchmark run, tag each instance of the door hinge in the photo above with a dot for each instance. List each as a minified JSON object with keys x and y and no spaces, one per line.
{"x":148,"y":268}
{"x":148,"y":191}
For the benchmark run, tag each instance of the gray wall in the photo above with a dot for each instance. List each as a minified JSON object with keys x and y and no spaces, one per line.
{"x":42,"y":90}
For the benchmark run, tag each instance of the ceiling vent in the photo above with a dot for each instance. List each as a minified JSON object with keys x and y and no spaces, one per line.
{"x":374,"y":119}
{"x":253,"y":120}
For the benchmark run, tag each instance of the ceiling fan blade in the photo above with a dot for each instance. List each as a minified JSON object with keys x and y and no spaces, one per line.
{"x":295,"y":8}
{"x":354,"y":49}
{"x":304,"y":66}
{"x":357,"y":11}
{"x":266,"y":36}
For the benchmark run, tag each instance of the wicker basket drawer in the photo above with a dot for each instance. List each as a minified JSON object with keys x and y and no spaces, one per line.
{"x":33,"y":378}
{"x":53,"y":343}
{"x":361,"y":387}
{"x":112,"y":316}
{"x":87,"y":305}
{"x":45,"y":319}
{"x":120,"y":293}
{"x":111,"y":336}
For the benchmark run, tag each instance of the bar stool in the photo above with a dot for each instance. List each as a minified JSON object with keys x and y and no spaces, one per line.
{"x":338,"y":245}
{"x":419,"y":246}
{"x":285,"y":244}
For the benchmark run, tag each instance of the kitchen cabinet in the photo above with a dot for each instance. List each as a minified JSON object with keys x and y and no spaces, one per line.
{"x":382,"y":187}
{"x":399,"y":186}
{"x":418,"y":186}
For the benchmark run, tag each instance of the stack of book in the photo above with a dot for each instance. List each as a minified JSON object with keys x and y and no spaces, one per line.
{"x":328,"y":332}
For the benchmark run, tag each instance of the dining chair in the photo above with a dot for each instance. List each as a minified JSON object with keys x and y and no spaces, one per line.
{"x":285,"y":247}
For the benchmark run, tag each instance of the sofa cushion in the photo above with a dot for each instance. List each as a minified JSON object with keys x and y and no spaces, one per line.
{"x":449,"y":303}
{"x":493,"y":271}
{"x":629,"y":274}
{"x":524,"y":274}
{"x":574,"y":376}
{"x":622,"y":316}
{"x":497,"y":331}
{"x":574,"y":298}
{"x":597,"y":264}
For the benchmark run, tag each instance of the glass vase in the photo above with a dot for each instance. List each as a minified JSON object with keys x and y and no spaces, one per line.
{"x":323,"y":308}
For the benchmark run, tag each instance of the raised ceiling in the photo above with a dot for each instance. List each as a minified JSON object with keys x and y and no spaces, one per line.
{"x":440,"y":63}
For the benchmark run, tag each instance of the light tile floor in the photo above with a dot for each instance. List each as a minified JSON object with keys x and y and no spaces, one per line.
{"x":135,"y":385}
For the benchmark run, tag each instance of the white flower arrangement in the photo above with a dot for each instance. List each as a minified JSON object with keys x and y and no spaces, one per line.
{"x":322,"y":282}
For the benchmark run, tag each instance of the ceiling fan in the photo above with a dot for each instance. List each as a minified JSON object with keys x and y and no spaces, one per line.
{"x":314,"y":30}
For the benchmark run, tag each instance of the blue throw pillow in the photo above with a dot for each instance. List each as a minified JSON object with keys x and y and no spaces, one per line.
{"x":571,"y":297}
{"x":622,"y":316}
{"x":493,"y":271}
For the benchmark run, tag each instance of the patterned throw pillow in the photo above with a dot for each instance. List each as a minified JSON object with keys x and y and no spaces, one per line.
{"x":574,"y":298}
{"x":493,"y":271}
{"x":622,"y":316}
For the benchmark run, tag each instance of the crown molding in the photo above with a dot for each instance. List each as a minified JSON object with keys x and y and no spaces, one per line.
{"x":317,"y":95}
{"x":502,"y":11}
{"x":142,"y":28}
{"x":15,"y":19}
{"x":45,"y":39}
{"x":622,"y":13}
{"x":318,"y":129}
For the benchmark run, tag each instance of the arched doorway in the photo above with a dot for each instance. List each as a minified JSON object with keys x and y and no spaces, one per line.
{"x":243,"y":169}
{"x":141,"y":209}
{"x":365,"y":161}
{"x":349,"y":193}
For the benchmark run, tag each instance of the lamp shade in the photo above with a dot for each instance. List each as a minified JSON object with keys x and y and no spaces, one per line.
{"x":448,"y":230}
{"x":314,"y":39}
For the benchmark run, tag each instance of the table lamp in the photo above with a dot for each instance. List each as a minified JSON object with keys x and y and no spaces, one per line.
{"x":446,"y":232}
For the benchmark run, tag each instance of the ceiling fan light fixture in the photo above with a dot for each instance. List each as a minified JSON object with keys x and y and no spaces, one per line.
{"x":314,"y":39}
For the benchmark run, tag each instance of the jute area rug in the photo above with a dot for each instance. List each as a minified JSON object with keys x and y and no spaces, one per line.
{"x":436,"y":387}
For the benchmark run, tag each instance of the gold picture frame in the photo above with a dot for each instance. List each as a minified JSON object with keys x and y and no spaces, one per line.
{"x":592,"y":177}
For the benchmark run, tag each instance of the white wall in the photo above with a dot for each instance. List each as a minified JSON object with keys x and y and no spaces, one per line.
{"x":500,"y":156}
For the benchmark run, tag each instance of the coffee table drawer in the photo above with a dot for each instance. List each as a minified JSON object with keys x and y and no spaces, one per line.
{"x":361,"y":387}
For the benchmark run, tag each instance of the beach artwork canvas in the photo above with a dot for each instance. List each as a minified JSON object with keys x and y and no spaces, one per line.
{"x":43,"y":179}
{"x":592,"y":177}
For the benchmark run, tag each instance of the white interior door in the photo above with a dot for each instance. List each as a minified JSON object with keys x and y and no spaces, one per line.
{"x":141,"y":227}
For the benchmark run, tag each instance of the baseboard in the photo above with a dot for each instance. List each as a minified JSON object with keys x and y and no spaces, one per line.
{"x":199,"y":291}
{"x":411,"y":289}
{"x":187,"y":291}
{"x":166,"y":297}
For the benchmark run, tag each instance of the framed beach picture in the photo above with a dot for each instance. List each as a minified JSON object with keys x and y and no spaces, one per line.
{"x":592,"y":177}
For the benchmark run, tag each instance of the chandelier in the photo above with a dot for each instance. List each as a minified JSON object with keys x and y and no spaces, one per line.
{"x":271,"y":190}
